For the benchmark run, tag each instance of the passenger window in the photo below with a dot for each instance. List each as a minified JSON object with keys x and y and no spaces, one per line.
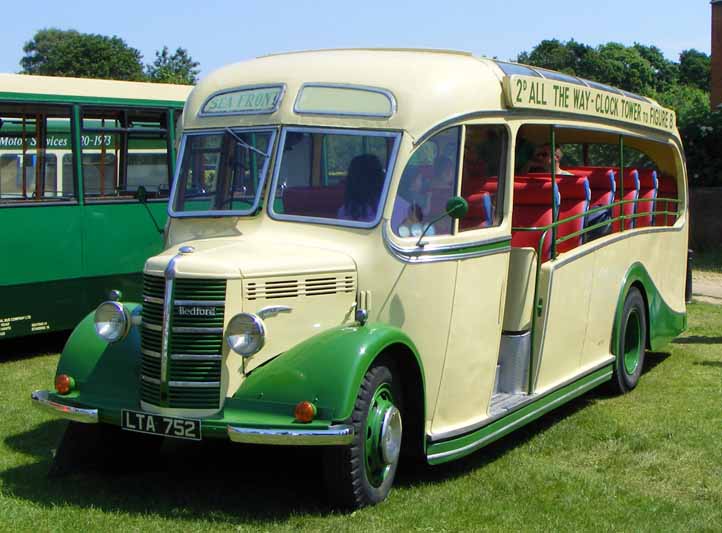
{"x":124,"y":149}
{"x":428,"y":181}
{"x":32,"y":140}
{"x":484,"y":150}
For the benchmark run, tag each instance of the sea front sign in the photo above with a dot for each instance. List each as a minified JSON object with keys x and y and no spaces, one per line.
{"x":528,"y":92}
{"x":249,"y":100}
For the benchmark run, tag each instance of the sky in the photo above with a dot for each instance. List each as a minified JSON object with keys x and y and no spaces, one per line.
{"x":219,"y":32}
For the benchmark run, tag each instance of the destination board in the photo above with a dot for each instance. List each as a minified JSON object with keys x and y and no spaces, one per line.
{"x":529,"y":92}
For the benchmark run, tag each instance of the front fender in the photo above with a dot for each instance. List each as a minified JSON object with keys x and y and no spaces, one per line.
{"x":326,"y":369}
{"x":101,"y":369}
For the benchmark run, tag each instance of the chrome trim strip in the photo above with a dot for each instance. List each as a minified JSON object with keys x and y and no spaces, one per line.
{"x":199,"y":303}
{"x":167,"y":316}
{"x":153,"y":300}
{"x":195,"y":384}
{"x":531,"y":399}
{"x":427,"y":254}
{"x":336,"y":435}
{"x":150,"y":353}
{"x":41,"y":399}
{"x":388,"y":94}
{"x":334,"y":221}
{"x":194,"y":357}
{"x":521,"y":421}
{"x":501,"y":114}
{"x":211,"y":213}
{"x":183,"y":329}
{"x":152,"y":327}
{"x":148,"y":379}
{"x":270,"y":111}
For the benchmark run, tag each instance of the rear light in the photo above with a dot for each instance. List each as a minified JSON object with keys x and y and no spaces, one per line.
{"x":64,"y":383}
{"x":305,"y":412}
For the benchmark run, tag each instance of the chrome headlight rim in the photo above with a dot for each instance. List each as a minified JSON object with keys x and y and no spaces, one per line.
{"x":260,"y":331}
{"x":122,"y":312}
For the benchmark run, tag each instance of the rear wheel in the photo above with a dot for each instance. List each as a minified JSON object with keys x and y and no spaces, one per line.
{"x":362,"y":474}
{"x":631,"y":343}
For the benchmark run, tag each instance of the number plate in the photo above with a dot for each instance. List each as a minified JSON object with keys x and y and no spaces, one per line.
{"x":165,"y":426}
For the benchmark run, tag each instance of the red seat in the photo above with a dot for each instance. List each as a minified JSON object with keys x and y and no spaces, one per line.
{"x":574,"y":196}
{"x":323,"y":202}
{"x":667,"y":189}
{"x":631,"y":192}
{"x":532,"y":208}
{"x":648,"y":186}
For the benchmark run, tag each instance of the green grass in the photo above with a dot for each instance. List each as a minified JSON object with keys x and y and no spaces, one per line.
{"x":647,"y":461}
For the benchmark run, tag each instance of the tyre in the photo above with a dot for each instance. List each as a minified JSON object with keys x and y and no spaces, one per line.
{"x":362,"y":473}
{"x":631,"y":342}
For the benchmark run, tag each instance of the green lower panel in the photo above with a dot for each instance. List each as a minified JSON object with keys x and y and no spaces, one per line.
{"x":33,"y":308}
{"x":458,"y":447}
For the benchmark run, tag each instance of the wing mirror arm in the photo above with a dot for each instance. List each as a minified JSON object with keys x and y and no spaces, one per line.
{"x":456,"y":208}
{"x":142,"y":196}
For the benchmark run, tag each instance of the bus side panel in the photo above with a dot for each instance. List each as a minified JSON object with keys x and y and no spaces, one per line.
{"x":41,"y":248}
{"x":119,"y":237}
{"x":582,"y":333}
{"x":565,"y":289}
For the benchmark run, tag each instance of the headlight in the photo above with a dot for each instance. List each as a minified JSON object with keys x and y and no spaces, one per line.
{"x":245,"y":334}
{"x":111,"y":321}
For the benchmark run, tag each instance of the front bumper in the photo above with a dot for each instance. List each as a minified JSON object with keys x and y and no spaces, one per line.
{"x":288,"y":435}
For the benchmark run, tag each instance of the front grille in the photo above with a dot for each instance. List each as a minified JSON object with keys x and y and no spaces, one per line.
{"x":294,"y":287}
{"x":195,"y":340}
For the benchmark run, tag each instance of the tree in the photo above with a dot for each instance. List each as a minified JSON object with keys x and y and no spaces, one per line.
{"x":694,"y":69}
{"x":177,"y":68}
{"x":54,"y":52}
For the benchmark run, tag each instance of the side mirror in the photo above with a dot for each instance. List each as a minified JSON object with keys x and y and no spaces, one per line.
{"x":457,"y":207}
{"x":142,"y":195}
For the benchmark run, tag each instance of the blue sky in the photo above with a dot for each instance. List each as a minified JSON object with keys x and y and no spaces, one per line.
{"x":218,"y":32}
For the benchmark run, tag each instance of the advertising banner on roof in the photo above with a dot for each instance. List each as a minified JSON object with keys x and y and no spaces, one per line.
{"x":530,"y":92}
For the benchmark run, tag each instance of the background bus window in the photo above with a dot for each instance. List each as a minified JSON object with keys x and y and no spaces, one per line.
{"x":428,"y":181}
{"x":124,"y":149}
{"x":484,"y":153}
{"x":31,"y":141}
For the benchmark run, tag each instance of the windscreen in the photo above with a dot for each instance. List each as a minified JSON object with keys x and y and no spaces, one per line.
{"x":333,"y":176}
{"x":222,"y":172}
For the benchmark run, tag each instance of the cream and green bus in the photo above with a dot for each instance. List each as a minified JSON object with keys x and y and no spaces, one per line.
{"x":389,"y":254}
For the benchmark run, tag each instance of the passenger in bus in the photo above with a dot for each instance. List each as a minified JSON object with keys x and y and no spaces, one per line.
{"x":541,"y":161}
{"x":364,"y":181}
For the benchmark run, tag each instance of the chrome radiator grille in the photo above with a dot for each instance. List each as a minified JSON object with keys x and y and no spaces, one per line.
{"x":195,"y":335}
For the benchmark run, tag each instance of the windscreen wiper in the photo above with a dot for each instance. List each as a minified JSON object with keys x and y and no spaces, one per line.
{"x":244,"y":143}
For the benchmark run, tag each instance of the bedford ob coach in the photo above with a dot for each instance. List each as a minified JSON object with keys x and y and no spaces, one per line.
{"x":387,"y":252}
{"x":73,"y":154}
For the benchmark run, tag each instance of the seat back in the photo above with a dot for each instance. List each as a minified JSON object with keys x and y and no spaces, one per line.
{"x":667,"y":188}
{"x":323,"y":202}
{"x":631,"y":192}
{"x":648,"y":185}
{"x":532,"y":208}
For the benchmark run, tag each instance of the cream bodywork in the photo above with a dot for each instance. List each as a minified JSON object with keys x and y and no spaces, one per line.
{"x":453,"y":308}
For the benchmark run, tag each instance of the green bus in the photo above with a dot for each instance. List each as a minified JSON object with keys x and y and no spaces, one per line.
{"x":85,"y":173}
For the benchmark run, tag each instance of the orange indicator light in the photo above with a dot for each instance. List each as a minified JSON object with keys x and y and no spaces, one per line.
{"x":305,"y":412}
{"x":64,"y":383}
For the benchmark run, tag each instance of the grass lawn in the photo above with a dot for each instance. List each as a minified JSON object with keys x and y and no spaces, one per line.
{"x":650,"y":460}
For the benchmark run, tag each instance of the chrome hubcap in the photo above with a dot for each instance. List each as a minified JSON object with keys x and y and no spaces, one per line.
{"x":391,"y":430}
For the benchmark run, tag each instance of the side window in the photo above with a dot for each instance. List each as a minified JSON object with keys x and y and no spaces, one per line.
{"x":484,"y":156}
{"x":31,"y":143}
{"x":428,"y":181}
{"x":124,"y":149}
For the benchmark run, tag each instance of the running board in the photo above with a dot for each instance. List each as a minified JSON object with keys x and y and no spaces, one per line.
{"x":457,"y":447}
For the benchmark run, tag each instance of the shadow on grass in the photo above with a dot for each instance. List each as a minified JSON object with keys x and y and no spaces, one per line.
{"x":717,"y":364}
{"x":32,"y":346}
{"x":188,"y":481}
{"x":698,"y":339}
{"x":653,"y":359}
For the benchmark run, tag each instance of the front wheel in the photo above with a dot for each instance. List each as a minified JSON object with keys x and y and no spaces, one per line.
{"x":362,"y":474}
{"x":631,"y":342}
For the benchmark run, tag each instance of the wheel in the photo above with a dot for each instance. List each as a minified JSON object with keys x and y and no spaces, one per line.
{"x":631,"y":343}
{"x":362,"y":474}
